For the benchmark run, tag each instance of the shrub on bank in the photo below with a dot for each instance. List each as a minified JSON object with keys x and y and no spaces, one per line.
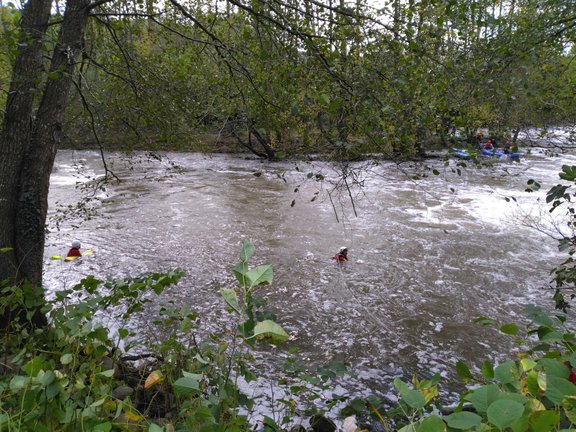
{"x":76,"y":375}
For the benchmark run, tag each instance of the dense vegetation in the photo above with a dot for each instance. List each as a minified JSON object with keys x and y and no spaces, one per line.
{"x":290,"y":78}
{"x":282,"y":79}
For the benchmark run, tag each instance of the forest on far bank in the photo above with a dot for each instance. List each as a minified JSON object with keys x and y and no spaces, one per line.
{"x":287,"y":78}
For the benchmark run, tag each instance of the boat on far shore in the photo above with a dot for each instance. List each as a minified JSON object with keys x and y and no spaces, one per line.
{"x":462,"y":153}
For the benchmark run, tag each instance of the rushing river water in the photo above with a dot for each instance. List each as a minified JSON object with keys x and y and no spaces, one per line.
{"x":426,"y":256}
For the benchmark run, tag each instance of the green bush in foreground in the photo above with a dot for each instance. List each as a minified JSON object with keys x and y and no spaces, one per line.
{"x":72,"y":376}
{"x":533,"y":393}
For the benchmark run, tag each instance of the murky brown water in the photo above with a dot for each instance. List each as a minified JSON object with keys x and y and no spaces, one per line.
{"x":427,"y":257}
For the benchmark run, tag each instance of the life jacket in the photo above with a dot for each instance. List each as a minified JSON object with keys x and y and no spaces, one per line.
{"x":340,"y":257}
{"x":73,"y":252}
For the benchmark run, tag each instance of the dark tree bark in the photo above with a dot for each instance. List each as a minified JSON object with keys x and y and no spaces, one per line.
{"x":15,"y":136}
{"x":28,"y":143}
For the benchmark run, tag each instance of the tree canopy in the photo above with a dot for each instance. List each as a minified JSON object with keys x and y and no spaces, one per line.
{"x":288,"y":78}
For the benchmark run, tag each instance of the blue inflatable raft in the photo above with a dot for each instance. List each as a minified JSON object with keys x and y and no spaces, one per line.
{"x":499,"y":154}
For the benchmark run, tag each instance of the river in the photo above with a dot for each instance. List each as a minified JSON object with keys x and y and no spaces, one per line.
{"x":427,"y":255}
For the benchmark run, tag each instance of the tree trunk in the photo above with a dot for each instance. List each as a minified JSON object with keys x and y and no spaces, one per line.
{"x":15,"y":136}
{"x":28,"y":148}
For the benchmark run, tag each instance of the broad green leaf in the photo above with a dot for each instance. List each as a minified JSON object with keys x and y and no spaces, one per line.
{"x":260,"y":275}
{"x":401,"y":385}
{"x":231,"y":298}
{"x":33,"y":367}
{"x":98,"y":403}
{"x":463,"y":371}
{"x":503,"y":413}
{"x":324,"y":100}
{"x":270,"y":329}
{"x":155,"y":428}
{"x":240,"y":271}
{"x":554,"y":368}
{"x":544,"y":421}
{"x":187,"y":385}
{"x":553,"y":336}
{"x":432,"y":423}
{"x":102,"y":427}
{"x":19,"y":382}
{"x":506,"y":372}
{"x":509,"y":329}
{"x":66,"y":359}
{"x":559,"y":388}
{"x":527,"y":364}
{"x":487,"y":370}
{"x":247,"y":251}
{"x":414,"y":399}
{"x":482,"y":397}
{"x":569,"y":406}
{"x":539,"y":315}
{"x":463,"y":420}
{"x":485,"y":321}
{"x":46,"y":378}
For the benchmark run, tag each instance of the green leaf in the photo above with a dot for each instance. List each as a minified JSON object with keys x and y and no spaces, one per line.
{"x":463,"y":420}
{"x":414,"y":399}
{"x":509,"y":329}
{"x":463,"y":371}
{"x":260,"y":275}
{"x":66,"y":359}
{"x":19,"y":382}
{"x":482,"y":397}
{"x":102,"y":427}
{"x":506,"y":372}
{"x":559,"y":388}
{"x":187,"y":385}
{"x":503,"y":413}
{"x":568,"y":173}
{"x":539,"y":315}
{"x":569,"y":406}
{"x":554,"y":368}
{"x":270,"y":329}
{"x":240,"y":271}
{"x":154,"y":428}
{"x":487,"y":370}
{"x":98,"y":403}
{"x":544,"y":421}
{"x":432,"y":423}
{"x":46,"y":378}
{"x":527,"y":364}
{"x":247,"y":251}
{"x":324,"y":100}
{"x":107,"y":373}
{"x":33,"y":367}
{"x":231,"y":298}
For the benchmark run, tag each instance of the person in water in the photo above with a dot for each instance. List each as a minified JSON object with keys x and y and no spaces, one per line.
{"x":75,"y":250}
{"x":488,"y":145}
{"x":342,"y":256}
